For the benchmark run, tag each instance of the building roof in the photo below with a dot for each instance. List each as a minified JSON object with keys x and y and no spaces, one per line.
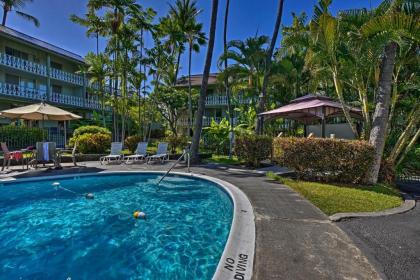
{"x":9,"y":32}
{"x":196,"y":80}
{"x":310,"y":107}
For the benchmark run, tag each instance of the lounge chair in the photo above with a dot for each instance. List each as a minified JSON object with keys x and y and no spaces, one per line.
{"x":116,"y":153}
{"x":161,"y":154}
{"x":139,"y":154}
{"x":11,"y":155}
{"x":73,"y":155}
{"x":45,"y":152}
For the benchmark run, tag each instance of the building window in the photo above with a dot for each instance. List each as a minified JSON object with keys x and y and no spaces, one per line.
{"x":57,"y":89}
{"x":56,"y":65}
{"x":12,"y":79}
{"x":16,"y":53}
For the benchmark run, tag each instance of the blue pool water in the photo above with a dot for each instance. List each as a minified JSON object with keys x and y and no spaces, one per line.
{"x":49,"y":233}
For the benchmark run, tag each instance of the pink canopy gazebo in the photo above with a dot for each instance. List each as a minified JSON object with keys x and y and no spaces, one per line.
{"x":309,"y":108}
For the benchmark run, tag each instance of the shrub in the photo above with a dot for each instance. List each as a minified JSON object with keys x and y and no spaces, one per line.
{"x":176,"y":142}
{"x":325,"y":159}
{"x":217,"y":137}
{"x":132,"y":141}
{"x":18,"y":137}
{"x":387,"y":172}
{"x":96,"y":143}
{"x":91,"y":129}
{"x":253,"y":148}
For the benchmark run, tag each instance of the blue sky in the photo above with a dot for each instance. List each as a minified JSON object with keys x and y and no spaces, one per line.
{"x":247,"y":17}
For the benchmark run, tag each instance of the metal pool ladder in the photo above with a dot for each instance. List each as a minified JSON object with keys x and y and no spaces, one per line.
{"x":186,"y":153}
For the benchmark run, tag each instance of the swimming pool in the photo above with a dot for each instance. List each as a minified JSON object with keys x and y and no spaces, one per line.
{"x":49,"y":232}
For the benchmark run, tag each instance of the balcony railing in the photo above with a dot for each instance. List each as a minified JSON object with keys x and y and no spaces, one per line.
{"x":212,"y":100}
{"x":22,"y":64}
{"x":66,"y":77}
{"x":20,"y":91}
{"x":36,"y":94}
{"x":77,"y":101}
{"x":206,"y":121}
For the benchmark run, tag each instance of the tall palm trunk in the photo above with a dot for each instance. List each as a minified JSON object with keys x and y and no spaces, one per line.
{"x":5,"y":12}
{"x":178,"y":59}
{"x":190,"y":113}
{"x":102,"y":90}
{"x":380,"y":117}
{"x":198,"y":125}
{"x":267,"y":72}
{"x":227,"y":79}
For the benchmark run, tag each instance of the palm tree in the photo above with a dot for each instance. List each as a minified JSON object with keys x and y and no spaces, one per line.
{"x":267,"y":72}
{"x":398,"y":21}
{"x":95,"y":25}
{"x":226,"y":79}
{"x":198,"y":125}
{"x":15,"y":6}
{"x":98,"y":71}
{"x":185,"y":15}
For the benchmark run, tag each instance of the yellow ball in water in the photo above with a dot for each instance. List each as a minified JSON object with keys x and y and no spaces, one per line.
{"x":139,"y":215}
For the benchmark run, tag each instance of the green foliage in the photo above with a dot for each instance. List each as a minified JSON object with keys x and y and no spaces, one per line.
{"x":91,"y":139}
{"x":91,"y":129}
{"x":275,"y":177}
{"x":253,"y":148}
{"x":323,"y":159}
{"x":176,"y":142}
{"x":132,"y":141}
{"x":217,"y":137}
{"x":18,"y":137}
{"x":96,"y":143}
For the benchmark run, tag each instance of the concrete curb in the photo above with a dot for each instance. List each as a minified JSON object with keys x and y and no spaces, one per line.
{"x":409,"y":203}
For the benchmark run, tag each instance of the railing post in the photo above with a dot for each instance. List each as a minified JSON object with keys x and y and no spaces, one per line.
{"x":48,"y":78}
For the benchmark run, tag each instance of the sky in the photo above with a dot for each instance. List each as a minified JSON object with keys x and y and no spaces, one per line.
{"x":246,"y":18}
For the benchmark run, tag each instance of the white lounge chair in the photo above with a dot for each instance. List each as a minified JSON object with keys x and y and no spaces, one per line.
{"x":161,"y":154}
{"x":139,"y":154}
{"x":116,"y":153}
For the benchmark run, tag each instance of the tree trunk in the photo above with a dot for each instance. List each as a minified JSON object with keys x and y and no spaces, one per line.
{"x":227,"y":79}
{"x":198,"y":125}
{"x":365,"y":111}
{"x":409,"y":146}
{"x":177,"y":66}
{"x":190,"y":114}
{"x":267,"y":72}
{"x":101,"y":88}
{"x":380,"y":117}
{"x":5,"y":11}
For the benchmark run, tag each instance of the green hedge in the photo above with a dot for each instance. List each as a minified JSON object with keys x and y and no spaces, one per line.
{"x":91,"y":139}
{"x":252,"y":149}
{"x":19,"y":137}
{"x":329,"y":160}
{"x":132,"y":141}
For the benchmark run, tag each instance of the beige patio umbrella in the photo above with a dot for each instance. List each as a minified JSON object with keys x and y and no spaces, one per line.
{"x":40,"y":112}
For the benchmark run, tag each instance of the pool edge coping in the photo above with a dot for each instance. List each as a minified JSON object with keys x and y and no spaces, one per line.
{"x":237,"y":259}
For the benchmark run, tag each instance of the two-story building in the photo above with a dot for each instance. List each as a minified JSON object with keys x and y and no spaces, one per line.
{"x":32,"y":70}
{"x":216,"y":100}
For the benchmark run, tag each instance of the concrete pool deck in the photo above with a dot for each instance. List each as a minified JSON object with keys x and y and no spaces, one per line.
{"x":294,"y":239}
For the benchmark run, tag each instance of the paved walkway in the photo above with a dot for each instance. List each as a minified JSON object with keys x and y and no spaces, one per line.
{"x":392,"y":243}
{"x":294,"y":240}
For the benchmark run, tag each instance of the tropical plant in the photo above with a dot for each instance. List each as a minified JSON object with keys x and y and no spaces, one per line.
{"x":16,"y":6}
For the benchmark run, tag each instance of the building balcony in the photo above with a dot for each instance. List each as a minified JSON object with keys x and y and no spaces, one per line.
{"x":206,"y":121}
{"x":23,"y":65}
{"x":67,"y":77}
{"x":221,"y":100}
{"x":21,"y":92}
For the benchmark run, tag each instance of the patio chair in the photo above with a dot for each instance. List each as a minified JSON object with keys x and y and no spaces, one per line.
{"x":45,"y":152}
{"x":139,"y":154}
{"x":161,"y":154}
{"x":8,"y":156}
{"x":73,"y":155}
{"x":116,"y":153}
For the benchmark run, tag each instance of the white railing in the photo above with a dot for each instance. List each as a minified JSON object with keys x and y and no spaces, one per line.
{"x":222,"y":100}
{"x":22,"y":64}
{"x":90,"y":102}
{"x":23,"y":92}
{"x":66,"y":77}
{"x":206,"y":121}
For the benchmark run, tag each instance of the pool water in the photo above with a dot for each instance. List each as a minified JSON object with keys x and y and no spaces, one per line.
{"x":50,"y":233}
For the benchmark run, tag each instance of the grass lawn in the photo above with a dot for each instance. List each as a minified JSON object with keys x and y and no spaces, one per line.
{"x":333,"y":199}
{"x":223,"y":160}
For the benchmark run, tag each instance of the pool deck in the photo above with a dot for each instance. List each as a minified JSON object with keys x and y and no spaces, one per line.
{"x":294,"y":239}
